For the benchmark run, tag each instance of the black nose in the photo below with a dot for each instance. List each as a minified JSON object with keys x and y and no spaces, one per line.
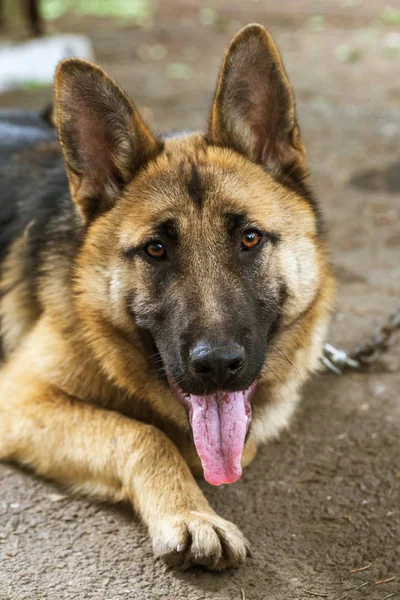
{"x":217,"y":364}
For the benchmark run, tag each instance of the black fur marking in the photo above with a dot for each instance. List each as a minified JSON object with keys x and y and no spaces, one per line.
{"x":165,"y":229}
{"x":236,"y":221}
{"x":34,"y":199}
{"x":21,"y":196}
{"x":239,"y":222}
{"x":273,"y":236}
{"x":195,"y":187}
{"x":130,"y":253}
{"x":168,"y":229}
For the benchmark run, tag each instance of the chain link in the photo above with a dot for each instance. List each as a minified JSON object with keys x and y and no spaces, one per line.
{"x":337,"y":360}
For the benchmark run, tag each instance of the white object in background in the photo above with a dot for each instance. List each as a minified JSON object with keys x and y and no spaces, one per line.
{"x":34,"y":62}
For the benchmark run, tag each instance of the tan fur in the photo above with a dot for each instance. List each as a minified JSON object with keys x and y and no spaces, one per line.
{"x":18,"y":312}
{"x":80,"y":402}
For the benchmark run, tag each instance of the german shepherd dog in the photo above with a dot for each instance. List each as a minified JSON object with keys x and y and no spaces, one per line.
{"x":162,"y":298}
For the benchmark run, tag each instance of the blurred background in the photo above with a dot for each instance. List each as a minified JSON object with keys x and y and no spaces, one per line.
{"x":343,"y":59}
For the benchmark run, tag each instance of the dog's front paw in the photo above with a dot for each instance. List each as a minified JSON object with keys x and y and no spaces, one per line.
{"x":199,"y":538}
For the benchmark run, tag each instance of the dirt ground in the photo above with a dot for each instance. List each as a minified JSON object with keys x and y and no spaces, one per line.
{"x":324,"y":500}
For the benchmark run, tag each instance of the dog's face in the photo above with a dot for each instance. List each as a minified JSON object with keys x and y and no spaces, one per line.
{"x":203,"y":245}
{"x":210,"y":248}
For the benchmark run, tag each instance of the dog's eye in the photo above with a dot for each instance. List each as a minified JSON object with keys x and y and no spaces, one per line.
{"x":251,"y":239}
{"x":155,"y":250}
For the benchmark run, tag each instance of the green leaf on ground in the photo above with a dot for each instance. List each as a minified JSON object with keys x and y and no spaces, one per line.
{"x":347,"y":54}
{"x":178,"y":71}
{"x":391,"y":16}
{"x":316,"y":23}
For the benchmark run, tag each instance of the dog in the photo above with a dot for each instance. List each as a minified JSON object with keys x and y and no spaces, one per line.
{"x":162,"y":298}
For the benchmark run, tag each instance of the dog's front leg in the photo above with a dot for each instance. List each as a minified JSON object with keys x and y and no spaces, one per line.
{"x":105,"y":454}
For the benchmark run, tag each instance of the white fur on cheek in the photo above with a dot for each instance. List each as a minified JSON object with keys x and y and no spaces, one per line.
{"x":117,"y":295}
{"x":300,"y":265}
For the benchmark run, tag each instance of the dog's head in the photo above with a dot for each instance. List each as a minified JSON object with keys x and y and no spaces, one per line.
{"x":198,"y":248}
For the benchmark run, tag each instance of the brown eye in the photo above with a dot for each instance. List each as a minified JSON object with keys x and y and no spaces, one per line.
{"x":155,"y":250}
{"x":250,"y":239}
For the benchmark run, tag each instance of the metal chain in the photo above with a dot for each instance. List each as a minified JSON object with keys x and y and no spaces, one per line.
{"x":337,"y":360}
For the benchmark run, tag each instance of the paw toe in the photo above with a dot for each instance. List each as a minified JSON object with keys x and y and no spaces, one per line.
{"x":197,"y":539}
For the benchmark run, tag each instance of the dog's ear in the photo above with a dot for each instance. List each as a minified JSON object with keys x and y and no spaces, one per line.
{"x":103,"y":138}
{"x":253,"y":110}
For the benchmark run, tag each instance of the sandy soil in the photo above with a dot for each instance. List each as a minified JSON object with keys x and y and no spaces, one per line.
{"x":324,"y":500}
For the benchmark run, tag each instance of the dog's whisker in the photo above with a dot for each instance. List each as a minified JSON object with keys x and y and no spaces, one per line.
{"x":289,"y":361}
{"x":273,"y":372}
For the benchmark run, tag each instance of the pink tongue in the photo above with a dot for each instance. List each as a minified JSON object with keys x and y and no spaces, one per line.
{"x":219,"y":423}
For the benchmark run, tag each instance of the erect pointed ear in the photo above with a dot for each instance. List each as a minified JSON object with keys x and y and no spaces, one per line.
{"x":103,"y":137}
{"x":253,"y":110}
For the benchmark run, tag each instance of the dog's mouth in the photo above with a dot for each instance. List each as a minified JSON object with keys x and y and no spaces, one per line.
{"x":219,"y":422}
